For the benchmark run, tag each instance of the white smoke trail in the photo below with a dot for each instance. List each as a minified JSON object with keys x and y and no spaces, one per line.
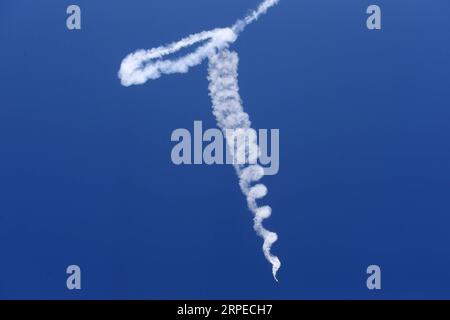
{"x":231,"y":118}
{"x":240,"y":25}
{"x":143,"y":65}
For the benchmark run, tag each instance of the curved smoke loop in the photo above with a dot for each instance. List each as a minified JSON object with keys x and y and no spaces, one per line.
{"x":143,"y":65}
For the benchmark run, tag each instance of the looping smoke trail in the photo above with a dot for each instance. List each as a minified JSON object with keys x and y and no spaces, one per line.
{"x":143,"y":65}
{"x":227,"y":107}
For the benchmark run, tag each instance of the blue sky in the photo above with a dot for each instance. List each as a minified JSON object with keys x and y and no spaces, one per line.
{"x":86,"y":176}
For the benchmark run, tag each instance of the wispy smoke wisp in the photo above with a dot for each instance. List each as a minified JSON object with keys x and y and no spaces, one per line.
{"x":144,"y":65}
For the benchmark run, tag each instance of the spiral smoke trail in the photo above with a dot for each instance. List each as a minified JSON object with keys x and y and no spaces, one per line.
{"x":231,"y":118}
{"x":143,"y":65}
